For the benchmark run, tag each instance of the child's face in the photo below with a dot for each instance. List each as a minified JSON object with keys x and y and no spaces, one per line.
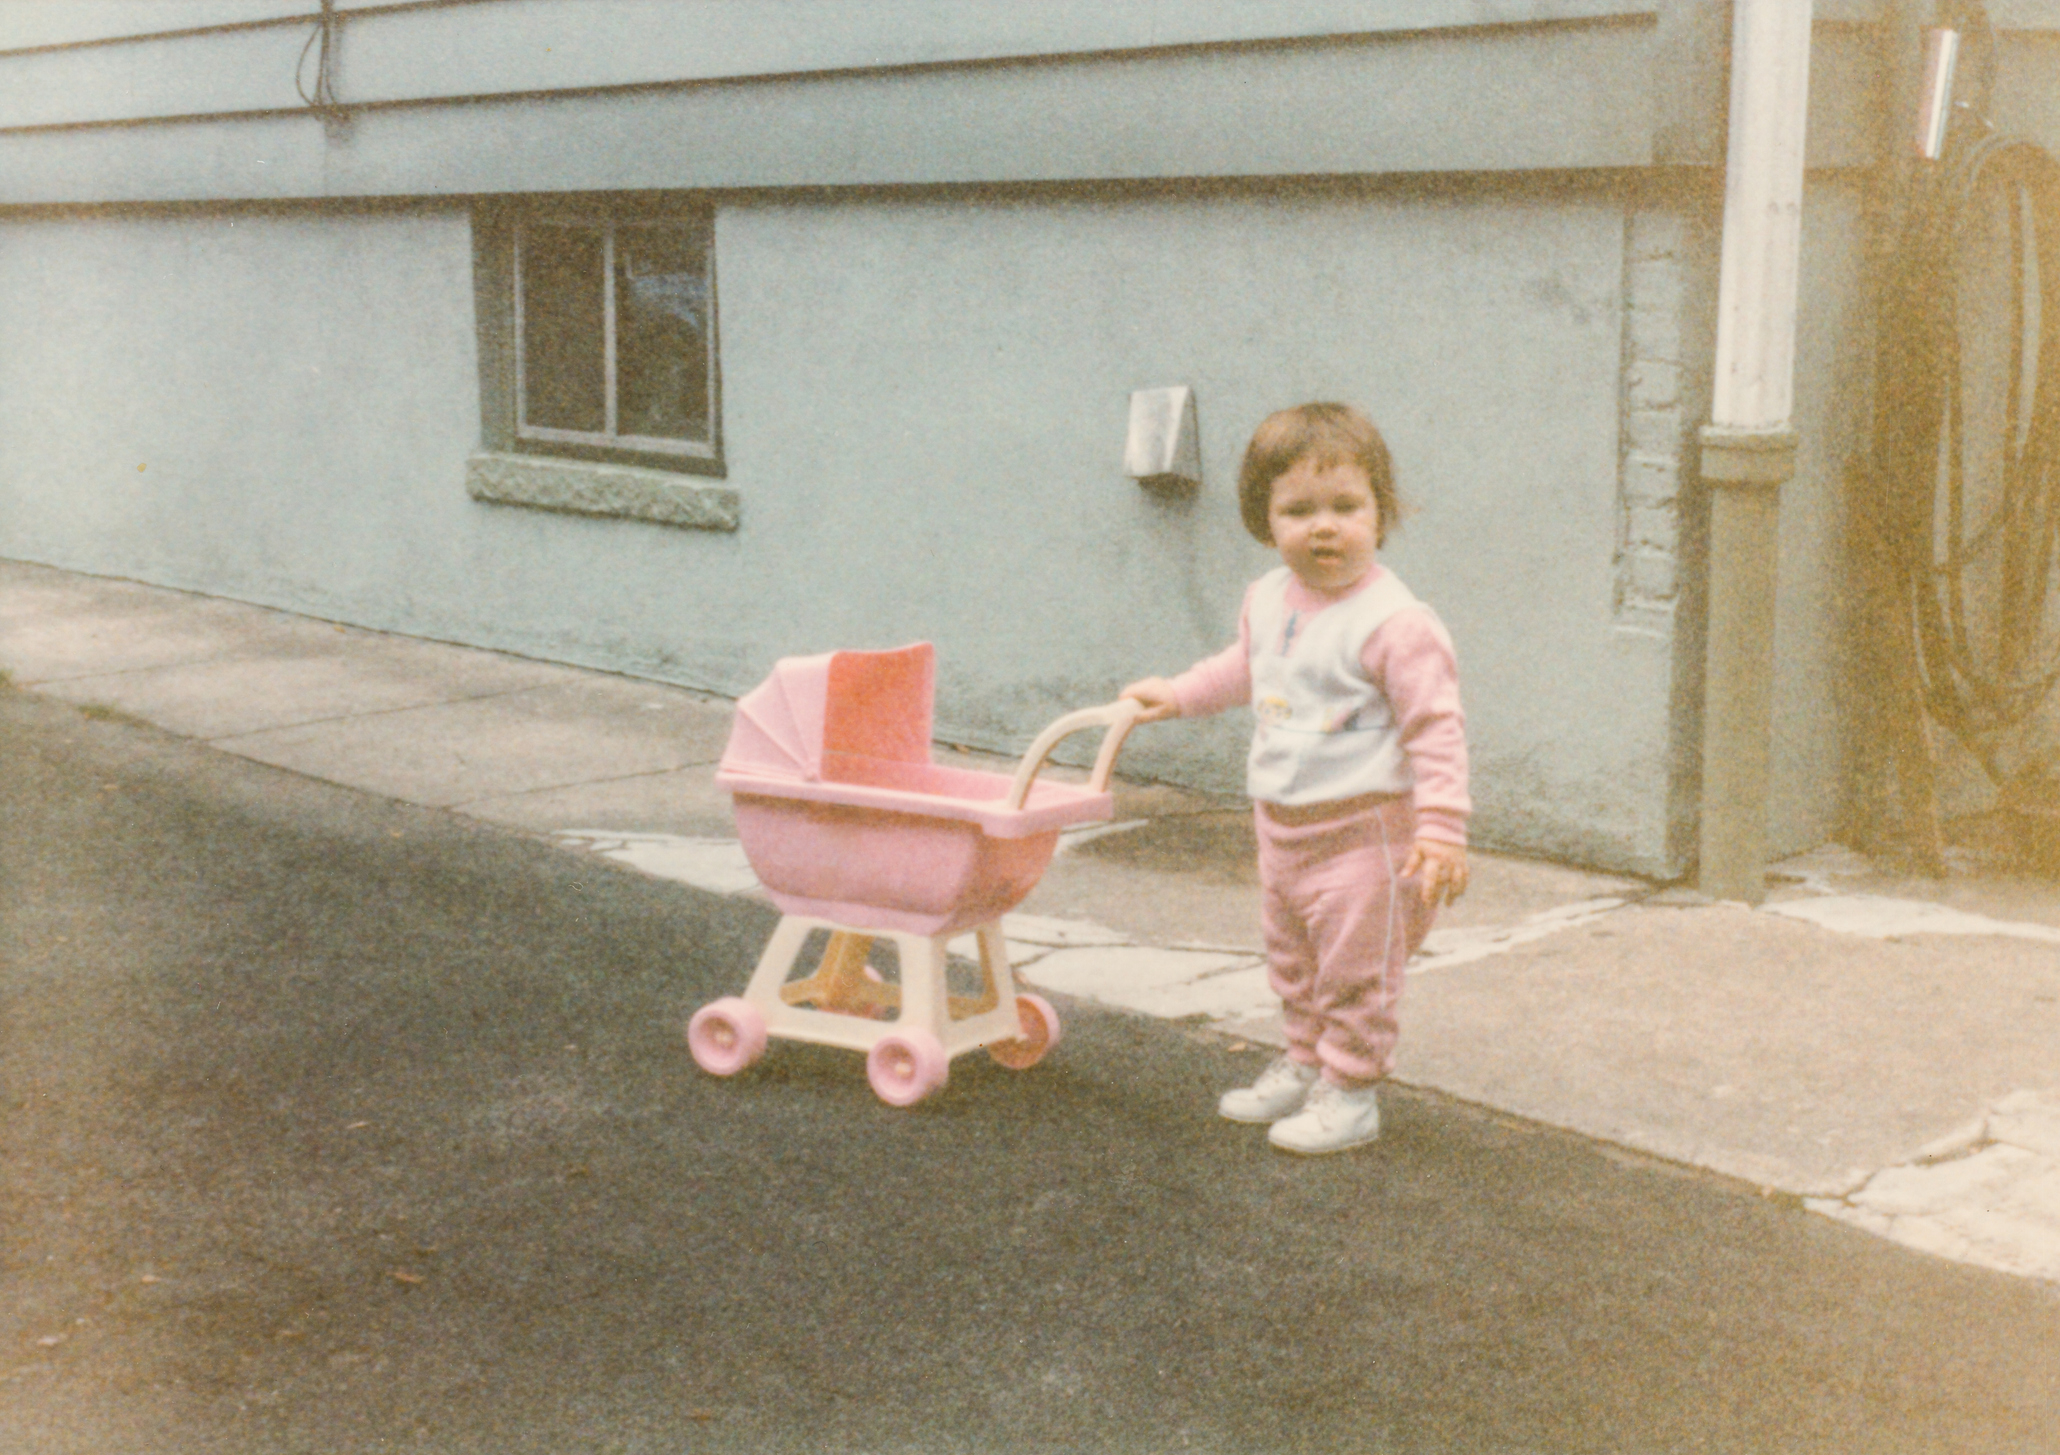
{"x":1325,"y":522}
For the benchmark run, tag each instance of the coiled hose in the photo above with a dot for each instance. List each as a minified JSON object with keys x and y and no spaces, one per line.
{"x":1974,"y":549}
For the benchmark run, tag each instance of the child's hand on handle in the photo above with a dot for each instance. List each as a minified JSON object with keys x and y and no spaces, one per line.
{"x":1440,"y":869}
{"x":1156,"y":696}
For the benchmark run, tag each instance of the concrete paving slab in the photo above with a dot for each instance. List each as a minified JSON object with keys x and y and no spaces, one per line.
{"x":718,"y":865}
{"x":1135,"y":976}
{"x":1449,"y":945}
{"x":1146,"y":904}
{"x":1997,"y":1208}
{"x":1883,"y":918}
{"x":2028,"y":1119}
{"x":1040,"y":933}
{"x":1980,"y":883}
{"x":1768,"y":1049}
{"x":1990,"y":1196}
{"x":1233,"y":995}
{"x":586,"y":731}
{"x":2007,"y":1238}
{"x":1134,"y":800}
{"x":55,"y":627}
{"x":1266,"y":1029}
{"x":682,"y":801}
{"x":1193,"y":879}
{"x":1920,"y":1191}
{"x":290,"y":686}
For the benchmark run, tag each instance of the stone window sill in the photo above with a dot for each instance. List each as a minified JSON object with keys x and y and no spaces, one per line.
{"x":581,"y":487}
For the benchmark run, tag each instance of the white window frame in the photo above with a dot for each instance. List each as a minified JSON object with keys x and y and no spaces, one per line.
{"x":609,"y":440}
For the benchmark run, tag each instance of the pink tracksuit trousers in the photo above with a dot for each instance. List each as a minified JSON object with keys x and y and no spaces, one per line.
{"x":1341,"y":923}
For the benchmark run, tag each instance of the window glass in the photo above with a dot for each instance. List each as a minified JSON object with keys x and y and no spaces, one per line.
{"x":564,"y":349}
{"x":661,"y":333}
{"x":613,"y":332}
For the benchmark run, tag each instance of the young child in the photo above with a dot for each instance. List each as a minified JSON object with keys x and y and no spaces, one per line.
{"x":1357,"y":770}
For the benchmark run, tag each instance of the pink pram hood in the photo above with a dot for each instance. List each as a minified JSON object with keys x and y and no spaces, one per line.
{"x":862,"y":704}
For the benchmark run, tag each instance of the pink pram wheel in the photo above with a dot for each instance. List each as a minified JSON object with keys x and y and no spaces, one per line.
{"x":906,"y":1066}
{"x":853,"y":831}
{"x":1040,"y":1034}
{"x":726,"y":1035}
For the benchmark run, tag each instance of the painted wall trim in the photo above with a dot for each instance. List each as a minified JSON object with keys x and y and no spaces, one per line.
{"x":1462,"y":102}
{"x":578,"y":487}
{"x":480,"y":48}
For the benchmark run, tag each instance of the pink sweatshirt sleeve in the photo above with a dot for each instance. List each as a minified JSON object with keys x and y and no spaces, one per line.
{"x":1223,"y":681}
{"x":1410,"y":659}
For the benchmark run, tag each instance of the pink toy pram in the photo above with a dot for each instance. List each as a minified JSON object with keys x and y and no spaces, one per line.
{"x":853,"y":830}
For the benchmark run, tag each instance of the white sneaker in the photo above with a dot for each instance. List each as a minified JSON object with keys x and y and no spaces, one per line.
{"x":1331,"y":1120}
{"x":1280,"y":1089}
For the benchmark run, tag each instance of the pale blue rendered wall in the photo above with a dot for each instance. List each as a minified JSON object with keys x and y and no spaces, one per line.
{"x":924,"y":400}
{"x":257,"y":405}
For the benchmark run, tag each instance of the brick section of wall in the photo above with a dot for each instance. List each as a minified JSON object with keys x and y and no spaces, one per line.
{"x":1653,"y":429}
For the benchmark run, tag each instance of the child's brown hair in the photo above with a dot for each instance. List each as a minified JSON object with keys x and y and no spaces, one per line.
{"x":1326,"y":433}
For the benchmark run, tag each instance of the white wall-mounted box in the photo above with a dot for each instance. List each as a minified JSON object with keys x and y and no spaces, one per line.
{"x":1163,"y":443}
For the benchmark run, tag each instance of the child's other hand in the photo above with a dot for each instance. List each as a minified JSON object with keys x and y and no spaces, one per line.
{"x":1156,"y":696}
{"x":1440,"y":869}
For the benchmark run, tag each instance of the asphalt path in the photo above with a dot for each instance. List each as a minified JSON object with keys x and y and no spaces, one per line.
{"x":329,"y":1124}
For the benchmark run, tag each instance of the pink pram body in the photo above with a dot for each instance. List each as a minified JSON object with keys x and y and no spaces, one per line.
{"x":844,"y":817}
{"x":851,"y":829}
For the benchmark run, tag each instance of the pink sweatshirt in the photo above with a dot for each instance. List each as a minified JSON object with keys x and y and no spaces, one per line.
{"x":1410,"y":659}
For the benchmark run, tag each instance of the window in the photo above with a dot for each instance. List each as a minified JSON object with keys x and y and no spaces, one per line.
{"x":614,"y":336}
{"x":609,"y":323}
{"x":599,"y":385}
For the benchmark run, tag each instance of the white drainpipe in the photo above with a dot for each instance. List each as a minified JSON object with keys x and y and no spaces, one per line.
{"x":1748,"y":447}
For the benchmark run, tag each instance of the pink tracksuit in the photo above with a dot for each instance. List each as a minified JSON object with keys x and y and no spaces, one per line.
{"x":1360,"y":749}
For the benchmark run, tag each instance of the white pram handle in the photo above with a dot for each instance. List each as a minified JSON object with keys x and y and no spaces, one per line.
{"x":1118,"y":717}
